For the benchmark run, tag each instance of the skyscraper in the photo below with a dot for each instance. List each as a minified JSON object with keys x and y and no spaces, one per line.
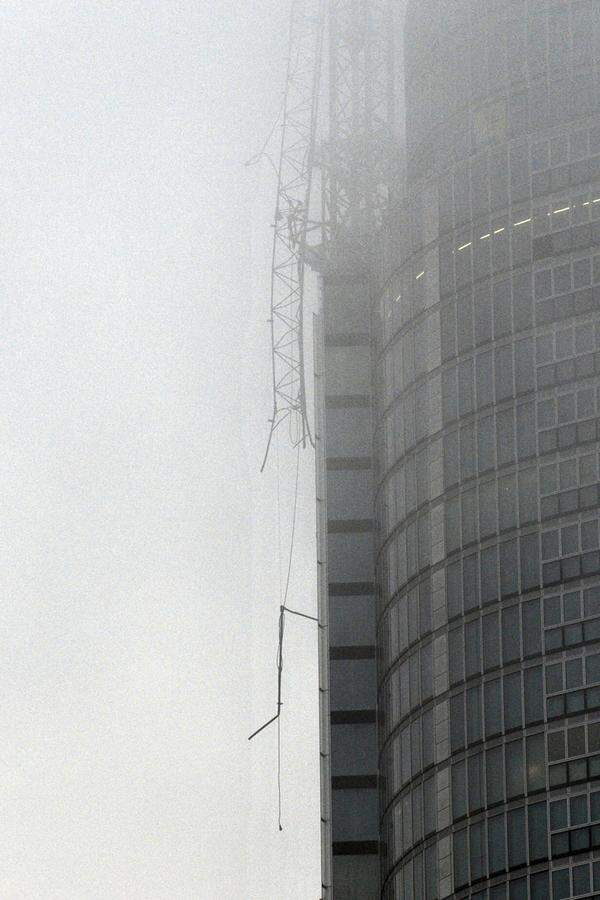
{"x":484,"y":287}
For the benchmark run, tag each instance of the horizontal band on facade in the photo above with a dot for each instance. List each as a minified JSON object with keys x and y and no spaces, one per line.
{"x":347,"y":340}
{"x":350,"y":526}
{"x":359,"y":651}
{"x":348,"y":463}
{"x":351,"y":588}
{"x":355,"y":848}
{"x":347,"y":401}
{"x":353,"y":782}
{"x":353,"y":716}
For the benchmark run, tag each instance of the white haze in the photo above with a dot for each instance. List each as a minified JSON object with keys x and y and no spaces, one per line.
{"x":139,"y":575}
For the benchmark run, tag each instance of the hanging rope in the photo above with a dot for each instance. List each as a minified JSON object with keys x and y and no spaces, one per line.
{"x":283,"y":609}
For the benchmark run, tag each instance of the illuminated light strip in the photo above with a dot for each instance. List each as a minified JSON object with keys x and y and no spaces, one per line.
{"x":564,"y":209}
{"x":464,"y":246}
{"x":499,"y":230}
{"x":420,"y":275}
{"x":597,"y":200}
{"x":484,"y":237}
{"x":522,"y":222}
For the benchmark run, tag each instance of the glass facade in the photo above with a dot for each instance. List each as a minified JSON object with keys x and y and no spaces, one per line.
{"x":486,"y":345}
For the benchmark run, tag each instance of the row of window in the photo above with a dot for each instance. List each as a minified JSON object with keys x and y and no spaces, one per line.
{"x":493,"y":248}
{"x":521,"y":171}
{"x":498,"y":775}
{"x":559,"y":884}
{"x":495,"y":438}
{"x":496,"y":639}
{"x":493,"y":311}
{"x":495,"y":376}
{"x":418,"y":877}
{"x":478,"y":578}
{"x":572,"y":635}
{"x":564,"y":486}
{"x":491,"y":375}
{"x":499,"y":637}
{"x":443,"y":136}
{"x":574,"y":741}
{"x":496,"y":707}
{"x":501,"y":842}
{"x":485,"y":779}
{"x":493,"y":507}
{"x":487,"y":310}
{"x":575,"y":537}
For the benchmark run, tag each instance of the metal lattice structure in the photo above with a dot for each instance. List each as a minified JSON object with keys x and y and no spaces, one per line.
{"x":293,"y":225}
{"x":361,"y":151}
{"x":356,"y":168}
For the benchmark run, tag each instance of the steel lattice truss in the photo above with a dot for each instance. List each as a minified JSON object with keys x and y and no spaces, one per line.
{"x":360,"y":149}
{"x":293,"y":225}
{"x":356,"y":168}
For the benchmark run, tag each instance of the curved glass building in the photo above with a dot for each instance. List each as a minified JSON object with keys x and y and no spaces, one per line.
{"x":486,"y":348}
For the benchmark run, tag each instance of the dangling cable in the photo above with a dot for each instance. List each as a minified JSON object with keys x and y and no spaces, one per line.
{"x":283,"y":609}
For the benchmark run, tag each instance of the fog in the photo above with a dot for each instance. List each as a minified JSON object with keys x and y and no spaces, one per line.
{"x":140,"y":571}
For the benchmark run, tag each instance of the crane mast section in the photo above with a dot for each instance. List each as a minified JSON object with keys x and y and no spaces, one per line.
{"x":293,"y":226}
{"x":361,"y":117}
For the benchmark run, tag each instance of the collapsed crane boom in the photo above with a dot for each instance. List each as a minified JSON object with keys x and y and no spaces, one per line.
{"x":292,"y":224}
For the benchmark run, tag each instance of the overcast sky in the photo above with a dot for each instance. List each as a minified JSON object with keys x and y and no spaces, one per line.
{"x":139,"y":544}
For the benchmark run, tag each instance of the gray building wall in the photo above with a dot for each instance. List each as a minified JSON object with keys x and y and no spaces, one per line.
{"x":486,"y":345}
{"x":344,"y":385}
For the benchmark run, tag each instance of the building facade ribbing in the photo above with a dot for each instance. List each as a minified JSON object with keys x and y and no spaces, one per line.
{"x":486,"y":346}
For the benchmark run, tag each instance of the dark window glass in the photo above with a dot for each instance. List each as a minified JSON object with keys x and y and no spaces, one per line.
{"x":429,"y":816}
{"x":532,"y":628}
{"x":489,"y":574}
{"x":592,"y":668}
{"x":492,"y":707}
{"x":504,"y":373}
{"x":454,"y":589}
{"x":459,"y":790}
{"x":475,"y":781}
{"x":483,"y":316}
{"x":496,"y":845}
{"x":491,"y":648}
{"x":536,"y":763}
{"x":461,"y":858}
{"x":515,"y":822}
{"x":509,"y":572}
{"x":530,"y":562}
{"x":526,"y":431}
{"x":534,"y":695}
{"x":486,"y":444}
{"x":539,"y":886}
{"x":457,"y":723}
{"x":502,"y":304}
{"x":471,"y":588}
{"x":513,"y":715}
{"x":456,"y":655}
{"x":484,"y":379}
{"x":494,"y":774}
{"x":466,"y":397}
{"x":538,"y":831}
{"x":514,"y":769}
{"x":507,"y":502}
{"x":477,"y":850}
{"x":506,"y":437}
{"x":472,"y":648}
{"x":524,"y":366}
{"x":474,"y":723}
{"x":427,"y":740}
{"x":511,"y":644}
